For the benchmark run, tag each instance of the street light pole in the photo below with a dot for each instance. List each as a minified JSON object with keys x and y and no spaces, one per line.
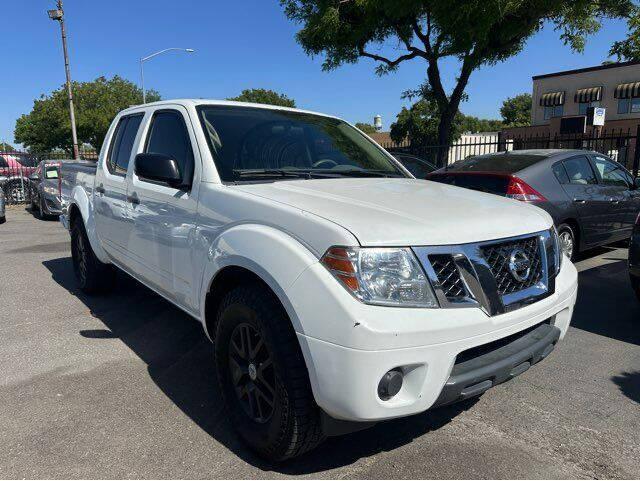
{"x":144,"y":59}
{"x":59,"y":16}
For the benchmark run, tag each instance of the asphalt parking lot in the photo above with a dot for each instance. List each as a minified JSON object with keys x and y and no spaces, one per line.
{"x":122,"y":386}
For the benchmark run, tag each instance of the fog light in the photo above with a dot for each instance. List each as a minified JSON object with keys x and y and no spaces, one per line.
{"x":390,"y":384}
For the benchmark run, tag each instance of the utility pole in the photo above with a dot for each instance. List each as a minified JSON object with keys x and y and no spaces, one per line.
{"x":59,"y":16}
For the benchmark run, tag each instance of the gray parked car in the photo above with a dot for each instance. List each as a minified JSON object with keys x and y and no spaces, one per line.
{"x":593,"y":200}
{"x":44,"y":185}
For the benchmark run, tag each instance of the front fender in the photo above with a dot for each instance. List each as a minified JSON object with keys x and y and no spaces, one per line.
{"x":84,"y":204}
{"x":276,"y":257}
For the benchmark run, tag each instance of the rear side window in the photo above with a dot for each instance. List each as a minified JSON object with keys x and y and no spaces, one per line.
{"x":122,"y":144}
{"x":3,"y":162}
{"x":560,"y":173}
{"x":579,"y":171}
{"x":168,"y":135}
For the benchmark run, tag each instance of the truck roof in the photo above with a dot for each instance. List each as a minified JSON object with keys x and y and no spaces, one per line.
{"x":229,"y":103}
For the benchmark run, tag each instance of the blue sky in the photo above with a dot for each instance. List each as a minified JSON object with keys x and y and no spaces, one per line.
{"x":239,"y":44}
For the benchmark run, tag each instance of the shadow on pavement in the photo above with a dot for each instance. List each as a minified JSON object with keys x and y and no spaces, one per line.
{"x":606,"y":303}
{"x":180,"y":361}
{"x":629,"y":384}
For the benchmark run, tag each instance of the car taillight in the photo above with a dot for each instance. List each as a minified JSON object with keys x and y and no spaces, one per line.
{"x":518,"y":189}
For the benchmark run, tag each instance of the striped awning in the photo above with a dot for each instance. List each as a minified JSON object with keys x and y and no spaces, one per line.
{"x":593,"y":94}
{"x":627,"y":91}
{"x":551,"y":99}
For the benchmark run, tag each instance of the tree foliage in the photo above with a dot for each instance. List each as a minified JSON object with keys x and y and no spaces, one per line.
{"x":474,"y":32}
{"x":5,"y":147}
{"x":366,"y":128}
{"x":47,"y":127}
{"x":516,"y":111}
{"x":418,"y":124}
{"x":629,"y":48}
{"x":264,"y":96}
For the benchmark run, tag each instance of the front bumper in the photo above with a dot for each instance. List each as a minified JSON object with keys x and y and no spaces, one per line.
{"x":349,"y":346}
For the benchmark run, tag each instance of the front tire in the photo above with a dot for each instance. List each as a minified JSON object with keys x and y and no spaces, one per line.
{"x":263,"y":377}
{"x":568,"y":241}
{"x":92,"y":275}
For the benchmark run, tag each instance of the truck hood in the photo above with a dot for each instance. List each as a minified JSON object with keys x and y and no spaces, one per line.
{"x":406,"y":212}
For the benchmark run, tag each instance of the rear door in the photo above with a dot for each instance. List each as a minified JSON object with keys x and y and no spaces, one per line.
{"x":589,"y":198}
{"x":110,"y":199}
{"x":618,"y":184}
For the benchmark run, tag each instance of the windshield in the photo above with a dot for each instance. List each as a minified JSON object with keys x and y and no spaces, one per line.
{"x":51,"y":173}
{"x":252,"y":143}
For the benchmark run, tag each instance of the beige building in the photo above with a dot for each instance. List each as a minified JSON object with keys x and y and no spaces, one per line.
{"x":615,"y":86}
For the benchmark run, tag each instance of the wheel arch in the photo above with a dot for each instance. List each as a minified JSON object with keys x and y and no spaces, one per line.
{"x":577,"y":231}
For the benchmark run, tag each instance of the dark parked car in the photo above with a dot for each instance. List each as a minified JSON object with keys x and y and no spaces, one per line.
{"x":419,"y":167}
{"x":634,"y":258}
{"x":44,"y":185}
{"x":2,"y":207}
{"x":592,"y":199}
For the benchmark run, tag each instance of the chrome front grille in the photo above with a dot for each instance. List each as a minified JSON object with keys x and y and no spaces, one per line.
{"x":497,"y":276}
{"x":448,"y":276}
{"x":498,"y":256}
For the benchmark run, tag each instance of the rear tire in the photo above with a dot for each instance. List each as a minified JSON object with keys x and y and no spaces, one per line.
{"x":568,"y":241}
{"x":3,"y":219}
{"x":263,"y":377}
{"x":92,"y":275}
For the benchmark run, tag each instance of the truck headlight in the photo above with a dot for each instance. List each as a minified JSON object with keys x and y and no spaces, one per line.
{"x":557,"y":250}
{"x":381,"y":276}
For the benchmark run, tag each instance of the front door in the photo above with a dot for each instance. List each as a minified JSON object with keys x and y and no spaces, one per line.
{"x":624,"y":198}
{"x":163,"y":216}
{"x":110,"y":199}
{"x":589,"y":198}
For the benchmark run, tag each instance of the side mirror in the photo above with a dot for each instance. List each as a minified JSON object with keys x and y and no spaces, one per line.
{"x":34,"y":177}
{"x":158,"y":168}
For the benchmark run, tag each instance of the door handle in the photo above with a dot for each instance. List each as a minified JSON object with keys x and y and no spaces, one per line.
{"x":580,"y":201}
{"x":133,"y":199}
{"x":614,"y":201}
{"x":100,"y":189}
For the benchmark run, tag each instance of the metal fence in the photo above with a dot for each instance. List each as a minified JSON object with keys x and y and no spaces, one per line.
{"x":618,"y":144}
{"x":17,"y":167}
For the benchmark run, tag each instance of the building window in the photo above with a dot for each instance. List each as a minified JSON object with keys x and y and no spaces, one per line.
{"x":626,"y":106}
{"x":623,"y":106}
{"x":553,"y":111}
{"x":584,"y":106}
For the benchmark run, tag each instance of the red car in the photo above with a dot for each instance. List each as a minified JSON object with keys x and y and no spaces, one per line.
{"x":15,"y":169}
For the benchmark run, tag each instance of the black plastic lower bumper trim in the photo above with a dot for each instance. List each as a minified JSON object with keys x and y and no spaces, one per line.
{"x":474,"y":376}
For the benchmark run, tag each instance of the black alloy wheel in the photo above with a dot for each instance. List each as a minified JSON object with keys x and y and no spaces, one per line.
{"x":252,"y":373}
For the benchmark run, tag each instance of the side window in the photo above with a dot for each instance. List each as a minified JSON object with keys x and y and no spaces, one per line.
{"x":3,"y":162}
{"x":611,"y":173}
{"x":579,"y":171}
{"x":560,"y":173}
{"x":122,"y":144}
{"x":168,"y":135}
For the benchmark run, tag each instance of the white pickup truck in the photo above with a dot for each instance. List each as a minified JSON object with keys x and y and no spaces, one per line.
{"x":337,"y":289}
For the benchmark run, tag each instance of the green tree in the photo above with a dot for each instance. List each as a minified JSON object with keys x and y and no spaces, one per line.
{"x":47,"y":127}
{"x":629,"y":48}
{"x":366,"y":128}
{"x":474,"y":32}
{"x":6,"y":147}
{"x":516,"y":111}
{"x":264,"y":96}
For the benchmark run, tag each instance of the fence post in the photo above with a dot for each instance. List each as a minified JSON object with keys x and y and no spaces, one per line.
{"x":636,"y":153}
{"x":501,"y":145}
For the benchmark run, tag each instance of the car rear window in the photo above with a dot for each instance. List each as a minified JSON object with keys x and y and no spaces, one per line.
{"x":507,"y":163}
{"x":492,"y":184}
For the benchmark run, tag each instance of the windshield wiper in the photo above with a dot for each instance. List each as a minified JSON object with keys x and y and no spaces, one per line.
{"x":361,"y":173}
{"x":270,"y":173}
